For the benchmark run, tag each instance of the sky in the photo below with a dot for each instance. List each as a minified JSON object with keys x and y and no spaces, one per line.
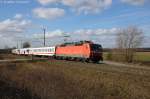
{"x":95,"y":20}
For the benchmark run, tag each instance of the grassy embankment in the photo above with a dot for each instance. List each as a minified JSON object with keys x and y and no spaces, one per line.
{"x":74,"y":80}
{"x":10,"y":56}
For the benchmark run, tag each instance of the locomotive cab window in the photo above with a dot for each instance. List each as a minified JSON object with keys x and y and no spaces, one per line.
{"x":96,"y":47}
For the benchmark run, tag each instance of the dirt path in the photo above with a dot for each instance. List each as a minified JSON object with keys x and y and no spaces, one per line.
{"x":126,"y":65}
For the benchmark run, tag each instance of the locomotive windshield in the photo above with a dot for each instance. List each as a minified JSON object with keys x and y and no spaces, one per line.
{"x":96,"y":47}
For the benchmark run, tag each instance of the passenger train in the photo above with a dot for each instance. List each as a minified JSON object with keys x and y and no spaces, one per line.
{"x":83,"y":51}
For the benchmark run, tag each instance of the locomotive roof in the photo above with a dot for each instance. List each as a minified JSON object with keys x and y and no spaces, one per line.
{"x":75,"y":43}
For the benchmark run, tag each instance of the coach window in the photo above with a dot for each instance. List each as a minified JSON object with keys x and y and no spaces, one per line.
{"x":52,"y":50}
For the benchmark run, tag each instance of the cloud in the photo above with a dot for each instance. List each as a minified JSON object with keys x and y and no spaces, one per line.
{"x":50,"y":34}
{"x":18,"y":16}
{"x":65,"y":2}
{"x":90,"y":32}
{"x":91,"y":6}
{"x":13,"y":26}
{"x":79,"y":33}
{"x":48,"y":13}
{"x":46,"y":2}
{"x":81,"y":6}
{"x":9,"y":42}
{"x":103,"y":36}
{"x":69,"y":2}
{"x":10,"y":28}
{"x":134,"y":2}
{"x":106,"y":37}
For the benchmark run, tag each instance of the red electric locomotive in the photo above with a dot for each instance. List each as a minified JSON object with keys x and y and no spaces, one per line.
{"x":83,"y":50}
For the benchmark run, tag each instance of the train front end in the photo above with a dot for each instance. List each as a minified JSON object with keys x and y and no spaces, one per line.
{"x":96,"y":53}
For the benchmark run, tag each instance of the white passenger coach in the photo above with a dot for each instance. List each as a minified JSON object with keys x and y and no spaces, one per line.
{"x":41,"y":51}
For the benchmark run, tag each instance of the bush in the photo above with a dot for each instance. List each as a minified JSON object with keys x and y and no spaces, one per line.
{"x":109,"y":56}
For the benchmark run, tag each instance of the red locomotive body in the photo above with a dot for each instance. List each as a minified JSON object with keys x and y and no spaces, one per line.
{"x":84,"y":50}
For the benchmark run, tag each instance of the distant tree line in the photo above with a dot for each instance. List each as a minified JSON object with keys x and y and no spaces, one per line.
{"x":26,"y":45}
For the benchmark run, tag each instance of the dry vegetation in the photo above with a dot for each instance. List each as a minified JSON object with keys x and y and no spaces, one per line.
{"x":74,"y":80}
{"x":10,"y":56}
{"x":142,"y":58}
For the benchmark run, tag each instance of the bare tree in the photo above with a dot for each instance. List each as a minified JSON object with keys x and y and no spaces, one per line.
{"x":26,"y":45}
{"x":128,"y":40}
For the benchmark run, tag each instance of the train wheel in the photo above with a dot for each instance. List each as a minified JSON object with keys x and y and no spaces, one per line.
{"x":95,"y":61}
{"x":83,"y":60}
{"x":75,"y":58}
{"x":87,"y":60}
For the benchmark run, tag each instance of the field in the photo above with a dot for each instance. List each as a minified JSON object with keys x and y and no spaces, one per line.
{"x":57,"y":79}
{"x":143,"y":57}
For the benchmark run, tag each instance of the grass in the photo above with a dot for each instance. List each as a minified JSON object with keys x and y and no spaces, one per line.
{"x":10,"y":56}
{"x":74,"y":80}
{"x":139,"y":56}
{"x":142,"y":56}
{"x":9,"y":91}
